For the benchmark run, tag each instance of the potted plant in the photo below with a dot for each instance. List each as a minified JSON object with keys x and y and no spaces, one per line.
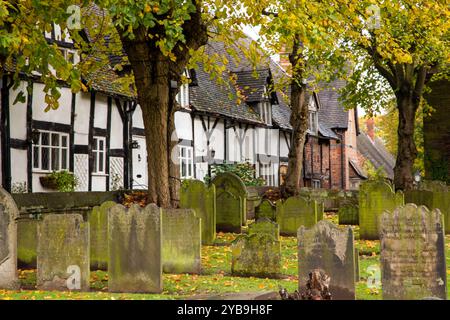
{"x":63,"y":181}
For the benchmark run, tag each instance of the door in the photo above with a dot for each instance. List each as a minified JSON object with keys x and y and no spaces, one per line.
{"x":139,"y":176}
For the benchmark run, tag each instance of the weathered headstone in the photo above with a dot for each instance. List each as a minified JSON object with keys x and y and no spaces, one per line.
{"x":134,"y":240}
{"x":349,"y":214}
{"x":319,"y":196}
{"x":412,"y":253}
{"x":27,"y":243}
{"x":228,"y":212}
{"x":433,"y":195}
{"x":181,"y":241}
{"x":374,"y":198}
{"x":328,"y":248}
{"x":229,"y":182}
{"x":266,"y":209}
{"x":266,"y":226}
{"x":8,"y":241}
{"x":98,"y":226}
{"x":256,"y":255}
{"x":63,"y":253}
{"x":197,"y":196}
{"x":296,"y":212}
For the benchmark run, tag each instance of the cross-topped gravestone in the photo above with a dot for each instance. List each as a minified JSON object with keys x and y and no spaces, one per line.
{"x":264,"y":225}
{"x":202,"y":199}
{"x":63,"y":253}
{"x":134,"y":240}
{"x":181,"y":243}
{"x":266,"y":209}
{"x":229,"y":182}
{"x":256,"y":255}
{"x":98,"y":226}
{"x":8,"y":241}
{"x":374,"y":198}
{"x":412,"y":254}
{"x":296,"y":212}
{"x":328,"y":248}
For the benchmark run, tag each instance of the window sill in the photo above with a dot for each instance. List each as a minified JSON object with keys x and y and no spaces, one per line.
{"x":100,"y":175}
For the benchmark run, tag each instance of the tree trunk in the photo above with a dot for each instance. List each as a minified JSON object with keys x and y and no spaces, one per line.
{"x":406,"y":152}
{"x":299,"y":122}
{"x":172,"y":154}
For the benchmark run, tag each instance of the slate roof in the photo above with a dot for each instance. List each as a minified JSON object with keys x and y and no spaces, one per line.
{"x":332,"y":114}
{"x":377,"y":153}
{"x":252,"y":84}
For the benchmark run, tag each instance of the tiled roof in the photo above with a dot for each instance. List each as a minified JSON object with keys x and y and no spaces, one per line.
{"x":377,"y":153}
{"x":332,"y":114}
{"x":252,"y":84}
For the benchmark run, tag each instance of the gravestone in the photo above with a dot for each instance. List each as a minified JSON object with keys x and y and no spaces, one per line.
{"x":228,"y":212}
{"x":319,"y":196}
{"x":229,"y":182}
{"x":98,"y":228}
{"x":412,"y":254}
{"x":27,"y":243}
{"x":181,"y":241}
{"x":433,"y":195}
{"x":8,"y":241}
{"x":252,"y":201}
{"x":349,"y":214}
{"x":266,"y":226}
{"x":134,"y":240}
{"x":257,"y":255}
{"x":374,"y":198}
{"x":328,"y":248}
{"x":197,"y":196}
{"x":296,"y":212}
{"x":266,"y":209}
{"x":63,"y":253}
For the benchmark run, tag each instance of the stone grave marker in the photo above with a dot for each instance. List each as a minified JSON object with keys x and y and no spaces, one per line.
{"x":63,"y":253}
{"x":266,"y":209}
{"x":98,"y":227}
{"x":257,"y":255}
{"x":229,"y":182}
{"x":8,"y":241}
{"x":412,"y":254}
{"x":181,"y":241}
{"x":27,"y":243}
{"x":328,"y":248}
{"x":197,"y":196}
{"x":264,"y":225}
{"x":229,"y":212}
{"x":349,"y":214}
{"x":296,"y":212}
{"x":134,"y":240}
{"x":374,"y":198}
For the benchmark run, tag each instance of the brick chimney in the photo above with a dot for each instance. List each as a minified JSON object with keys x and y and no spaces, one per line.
{"x":284,"y":60}
{"x":370,"y":124}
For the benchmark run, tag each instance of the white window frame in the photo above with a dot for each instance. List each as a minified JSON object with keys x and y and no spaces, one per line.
{"x":53,"y":150}
{"x":266,"y":171}
{"x":99,"y":156}
{"x":183,"y":95}
{"x":265,"y":110}
{"x":186,"y":160}
{"x":313,"y":121}
{"x":316,"y":184}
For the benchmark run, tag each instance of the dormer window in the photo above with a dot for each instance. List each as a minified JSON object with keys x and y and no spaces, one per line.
{"x":69,"y":55}
{"x":183,"y":95}
{"x":313,"y":117}
{"x":265,"y":111}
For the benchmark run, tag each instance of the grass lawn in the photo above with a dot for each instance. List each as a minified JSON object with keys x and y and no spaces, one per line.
{"x":216,"y":278}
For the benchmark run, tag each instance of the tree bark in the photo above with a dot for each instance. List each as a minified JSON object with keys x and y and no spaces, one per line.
{"x":406,"y":152}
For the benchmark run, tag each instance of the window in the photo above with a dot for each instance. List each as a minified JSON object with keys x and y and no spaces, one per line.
{"x":265,"y":111}
{"x":69,"y":55}
{"x":51,"y":152}
{"x":186,"y":157}
{"x":266,"y":172}
{"x":99,"y":155}
{"x":183,"y":96}
{"x":313,"y":116}
{"x":316,"y":184}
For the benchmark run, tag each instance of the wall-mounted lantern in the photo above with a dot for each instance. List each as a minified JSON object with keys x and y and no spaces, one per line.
{"x":135,"y":144}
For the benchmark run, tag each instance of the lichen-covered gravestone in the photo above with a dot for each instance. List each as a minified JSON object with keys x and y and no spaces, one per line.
{"x":27,"y":243}
{"x":8,"y":241}
{"x":374,"y":198}
{"x":264,"y":225}
{"x":135,"y":241}
{"x":98,"y":225}
{"x":229,"y":212}
{"x":229,"y":182}
{"x":433,"y":195}
{"x":196,"y":195}
{"x":296,"y":212}
{"x":266,"y":209}
{"x":349,"y":214}
{"x":257,"y":255}
{"x":330,"y":249}
{"x":181,"y":241}
{"x":412,"y":254}
{"x":63,"y":253}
